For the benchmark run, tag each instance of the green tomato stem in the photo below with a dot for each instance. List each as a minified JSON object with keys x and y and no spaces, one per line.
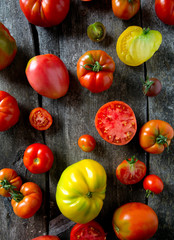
{"x":6,"y":185}
{"x":96,"y":67}
{"x":146,"y":30}
{"x":132,"y":161}
{"x":96,"y":31}
{"x":148,"y":193}
{"x":147,"y":84}
{"x":89,"y":194}
{"x":162,"y":140}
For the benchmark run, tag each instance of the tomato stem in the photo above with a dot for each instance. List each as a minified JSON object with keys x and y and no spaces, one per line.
{"x":96,"y":67}
{"x":6,"y":185}
{"x":89,"y":194}
{"x":133,"y":160}
{"x":147,"y":84}
{"x":148,"y":193}
{"x":162,"y":140}
{"x":96,"y":31}
{"x":146,"y":30}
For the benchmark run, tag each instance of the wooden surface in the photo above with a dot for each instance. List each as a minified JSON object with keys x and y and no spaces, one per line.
{"x":74,"y":115}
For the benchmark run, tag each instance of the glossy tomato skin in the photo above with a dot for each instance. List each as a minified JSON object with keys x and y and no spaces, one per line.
{"x":45,"y":13}
{"x":9,"y":111}
{"x":152,"y":87}
{"x":98,"y":75}
{"x":48,"y":76}
{"x":125,"y":9}
{"x":135,"y":221}
{"x":165,"y":11}
{"x":38,"y":158}
{"x":155,"y":136}
{"x":153,"y":183}
{"x":116,"y":122}
{"x":90,"y":230}
{"x":87,"y":143}
{"x":46,"y":237}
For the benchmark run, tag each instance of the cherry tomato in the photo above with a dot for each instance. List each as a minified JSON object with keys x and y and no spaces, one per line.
{"x":9,"y":111}
{"x":152,"y":87}
{"x":91,"y":230}
{"x":87,"y":143}
{"x":45,"y":13}
{"x":38,"y":158}
{"x":46,"y":237}
{"x":155,"y":136}
{"x":40,"y":119}
{"x":165,"y":11}
{"x":153,"y":184}
{"x":135,"y":221}
{"x":48,"y":76}
{"x":125,"y":9}
{"x":116,"y":122}
{"x":131,"y":171}
{"x":96,"y":32}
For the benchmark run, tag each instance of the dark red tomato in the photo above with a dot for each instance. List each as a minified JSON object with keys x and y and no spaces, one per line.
{"x":9,"y":111}
{"x":116,"y":122}
{"x":125,"y":9}
{"x":152,"y":87}
{"x":91,"y":230}
{"x":165,"y":11}
{"x":46,"y":237}
{"x":48,"y":76}
{"x":45,"y":13}
{"x":131,"y":171}
{"x":153,"y":184}
{"x":86,"y":143}
{"x":40,"y":119}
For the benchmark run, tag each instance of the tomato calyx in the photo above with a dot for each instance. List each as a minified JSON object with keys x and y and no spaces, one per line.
{"x":132,"y":161}
{"x":89,"y":194}
{"x":36,"y":160}
{"x":148,"y":193}
{"x":162,"y":140}
{"x":146,"y":30}
{"x":96,"y":67}
{"x":116,"y":228}
{"x":96,"y":32}
{"x":6,"y":185}
{"x":147,"y":85}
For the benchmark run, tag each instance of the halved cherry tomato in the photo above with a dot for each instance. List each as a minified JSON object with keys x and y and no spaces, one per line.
{"x":131,"y":171}
{"x":153,"y":184}
{"x":87,"y":143}
{"x":152,"y":87}
{"x":40,"y":119}
{"x":116,"y":122}
{"x":165,"y":11}
{"x":46,"y":237}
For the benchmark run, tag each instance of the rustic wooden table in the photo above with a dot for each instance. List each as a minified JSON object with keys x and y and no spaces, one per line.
{"x":74,"y":115}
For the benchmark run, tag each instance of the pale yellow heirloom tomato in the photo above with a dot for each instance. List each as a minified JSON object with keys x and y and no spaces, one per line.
{"x":136,"y":45}
{"x":81,"y":190}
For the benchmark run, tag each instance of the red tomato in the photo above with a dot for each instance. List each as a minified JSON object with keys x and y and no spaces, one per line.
{"x":165,"y":11}
{"x":38,"y":158}
{"x":87,"y":143}
{"x":9,"y":111}
{"x":40,"y":119}
{"x":155,"y":136}
{"x":46,"y":237}
{"x":153,"y":184}
{"x":9,"y":179}
{"x":135,"y":221}
{"x":131,"y":171}
{"x":28,"y":201}
{"x":116,"y":122}
{"x":125,"y":9}
{"x":48,"y":76}
{"x":45,"y":13}
{"x":152,"y":87}
{"x":91,"y":230}
{"x":95,"y":70}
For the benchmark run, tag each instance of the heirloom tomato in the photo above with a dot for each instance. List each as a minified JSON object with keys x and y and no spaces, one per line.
{"x":165,"y":11}
{"x":45,"y":13}
{"x":96,"y":32}
{"x":152,"y":87}
{"x":136,"y":45}
{"x":28,"y":201}
{"x":153,"y":184}
{"x":38,"y":158}
{"x":81,"y":190}
{"x":131,"y":171}
{"x":86,"y":143}
{"x":116,"y":122}
{"x":9,"y":111}
{"x":155,"y":136}
{"x":8,"y":47}
{"x":91,"y":230}
{"x":9,"y":179}
{"x":46,"y":237}
{"x":95,"y":70}
{"x":125,"y":9}
{"x":135,"y":221}
{"x":48,"y":76}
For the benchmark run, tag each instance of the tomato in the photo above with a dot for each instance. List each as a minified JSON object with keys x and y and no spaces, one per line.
{"x":96,"y":32}
{"x":153,"y":184}
{"x":81,"y":190}
{"x":8,"y":47}
{"x":136,"y":45}
{"x":91,"y":230}
{"x":131,"y":171}
{"x":48,"y":76}
{"x":155,"y":136}
{"x":38,"y":158}
{"x":45,"y":13}
{"x":95,"y":70}
{"x":152,"y":87}
{"x":28,"y":201}
{"x":46,"y":237}
{"x":87,"y":143}
{"x":116,"y":122}
{"x":165,"y":11}
{"x":135,"y":221}
{"x":9,"y":179}
{"x":125,"y":9}
{"x":9,"y":111}
{"x":40,"y":119}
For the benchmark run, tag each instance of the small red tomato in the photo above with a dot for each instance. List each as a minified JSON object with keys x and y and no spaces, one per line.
{"x":40,"y":119}
{"x":46,"y":237}
{"x":165,"y":11}
{"x":152,"y":87}
{"x":38,"y":158}
{"x":87,"y":143}
{"x":131,"y":171}
{"x":153,"y":184}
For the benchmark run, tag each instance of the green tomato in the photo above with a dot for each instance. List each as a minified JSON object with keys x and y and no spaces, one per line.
{"x":96,"y":32}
